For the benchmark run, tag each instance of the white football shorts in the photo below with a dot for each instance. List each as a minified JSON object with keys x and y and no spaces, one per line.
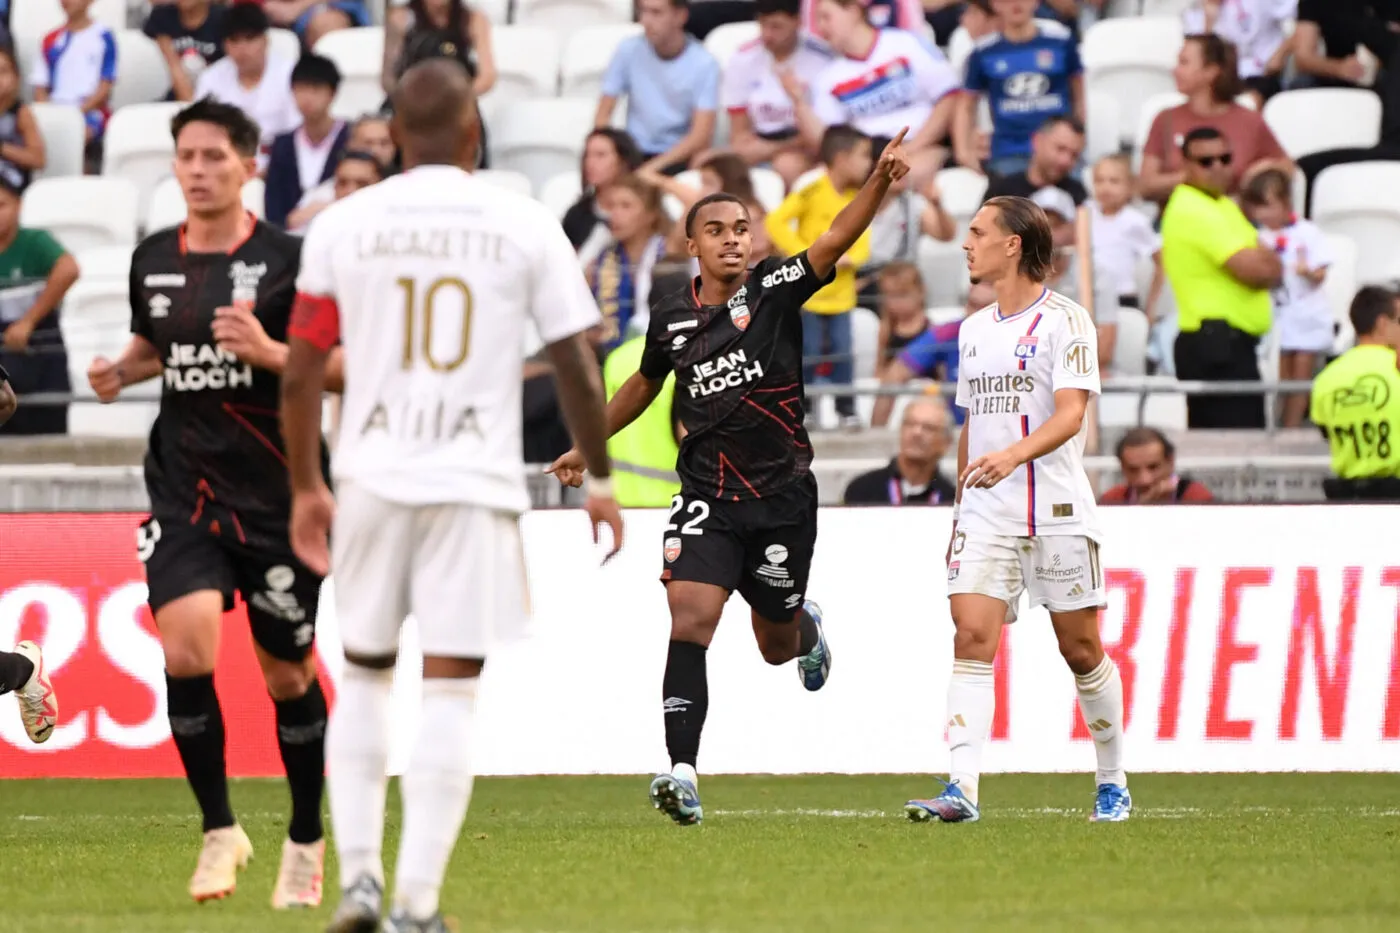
{"x":458,"y":569}
{"x":1060,"y":572}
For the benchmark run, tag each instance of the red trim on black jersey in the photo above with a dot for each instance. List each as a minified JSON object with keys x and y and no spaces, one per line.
{"x":252,"y":228}
{"x":723,"y":462}
{"x":315,"y":319}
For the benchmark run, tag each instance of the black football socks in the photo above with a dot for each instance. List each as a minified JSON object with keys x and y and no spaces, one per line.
{"x":15,"y":671}
{"x":301,"y":737}
{"x":197,"y":724}
{"x":686,"y":699}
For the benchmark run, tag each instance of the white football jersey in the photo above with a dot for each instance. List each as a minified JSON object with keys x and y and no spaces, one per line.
{"x":1008,"y":372}
{"x":435,"y":274}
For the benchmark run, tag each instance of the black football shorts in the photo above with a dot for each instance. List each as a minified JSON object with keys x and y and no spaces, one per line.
{"x":760,"y":547}
{"x":281,"y":594}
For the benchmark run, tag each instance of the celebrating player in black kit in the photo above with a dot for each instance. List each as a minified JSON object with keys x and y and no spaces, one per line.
{"x":746,"y":515}
{"x":210,"y":302}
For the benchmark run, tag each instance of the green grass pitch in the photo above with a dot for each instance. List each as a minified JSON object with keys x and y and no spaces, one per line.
{"x":1274,"y":853}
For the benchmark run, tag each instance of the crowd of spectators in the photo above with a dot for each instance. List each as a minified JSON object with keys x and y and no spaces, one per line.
{"x":812,"y":100}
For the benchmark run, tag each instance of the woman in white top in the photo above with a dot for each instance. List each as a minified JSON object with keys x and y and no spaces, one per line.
{"x":881,"y":81}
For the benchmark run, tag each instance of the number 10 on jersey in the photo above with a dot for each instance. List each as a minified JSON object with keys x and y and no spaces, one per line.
{"x":420,"y":321}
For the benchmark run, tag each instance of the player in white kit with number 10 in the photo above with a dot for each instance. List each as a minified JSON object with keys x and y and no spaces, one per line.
{"x":427,"y":279}
{"x":1024,"y":520}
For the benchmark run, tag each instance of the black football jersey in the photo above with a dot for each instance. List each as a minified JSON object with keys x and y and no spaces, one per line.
{"x":216,"y":456}
{"x":738,"y":373}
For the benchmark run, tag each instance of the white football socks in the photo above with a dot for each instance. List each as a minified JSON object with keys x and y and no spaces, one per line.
{"x":357,"y":761}
{"x":1101,"y":702}
{"x":436,"y":788}
{"x":972,"y":701}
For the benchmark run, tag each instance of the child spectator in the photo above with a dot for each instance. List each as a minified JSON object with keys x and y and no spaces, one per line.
{"x":620,"y":277}
{"x":1120,"y":238}
{"x":77,"y":65}
{"x":251,"y":77}
{"x":903,"y":313}
{"x":307,"y":156}
{"x":190,"y":34}
{"x":21,"y":143}
{"x":1303,"y":322}
{"x":795,"y":225}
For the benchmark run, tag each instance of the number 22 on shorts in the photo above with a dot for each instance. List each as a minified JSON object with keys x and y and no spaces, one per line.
{"x":698,"y":511}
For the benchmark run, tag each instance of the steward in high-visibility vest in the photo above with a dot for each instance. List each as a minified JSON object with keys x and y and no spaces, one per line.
{"x":644,"y":453}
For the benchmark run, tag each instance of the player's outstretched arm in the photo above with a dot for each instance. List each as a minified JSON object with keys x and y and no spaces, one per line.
{"x":855,"y":217}
{"x":137,"y":363}
{"x":313,"y":330}
{"x":580,"y":390}
{"x":627,"y":404}
{"x":1065,"y":423}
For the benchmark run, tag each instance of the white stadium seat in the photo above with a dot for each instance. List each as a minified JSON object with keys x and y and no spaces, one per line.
{"x":672,"y":204}
{"x":1101,"y":127}
{"x":1361,"y":200}
{"x":284,"y":44}
{"x":960,"y":46}
{"x":962,"y":192}
{"x":166,"y":207}
{"x":527,"y":62}
{"x":560,"y":192}
{"x":104,"y":264}
{"x":1132,"y":60}
{"x":1130,"y":349}
{"x":497,"y":11}
{"x":501,"y":178}
{"x":1341,"y":287}
{"x":541,"y":138}
{"x":142,"y":77}
{"x":566,"y":16}
{"x":585,"y":58}
{"x":83,"y":212}
{"x":865,"y":341}
{"x":723,"y":41}
{"x":65,"y":137}
{"x":943,"y":268}
{"x":139,"y":147}
{"x":359,"y":54}
{"x":768,"y":187}
{"x":1320,"y":118}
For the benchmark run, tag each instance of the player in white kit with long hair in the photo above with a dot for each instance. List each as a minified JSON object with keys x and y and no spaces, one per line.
{"x":427,"y":280}
{"x":1024,"y":520}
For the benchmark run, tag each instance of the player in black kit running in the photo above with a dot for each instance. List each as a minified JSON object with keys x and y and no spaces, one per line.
{"x":746,"y":515}
{"x":210,"y":303}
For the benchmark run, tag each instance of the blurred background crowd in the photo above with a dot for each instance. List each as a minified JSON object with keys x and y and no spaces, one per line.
{"x":1222,"y":176}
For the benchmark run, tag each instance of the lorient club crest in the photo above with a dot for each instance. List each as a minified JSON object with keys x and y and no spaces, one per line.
{"x":739,"y":314}
{"x":671,"y":549}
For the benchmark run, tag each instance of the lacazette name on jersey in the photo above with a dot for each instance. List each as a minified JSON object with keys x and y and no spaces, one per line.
{"x":414,"y":419}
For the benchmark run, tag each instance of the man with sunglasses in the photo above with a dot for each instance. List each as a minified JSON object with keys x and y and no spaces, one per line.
{"x":1221,"y":277}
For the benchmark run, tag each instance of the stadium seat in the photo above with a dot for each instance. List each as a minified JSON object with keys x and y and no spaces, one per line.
{"x":960,"y":46}
{"x":724,"y":41}
{"x":106,"y":264}
{"x":65,"y":137}
{"x":1362,"y":200}
{"x":865,"y":402}
{"x":1101,"y":127}
{"x":359,"y":54}
{"x":166,"y":207}
{"x":142,"y":77}
{"x":541,"y":138}
{"x":83,"y":212}
{"x":1165,"y":411}
{"x":497,"y":11}
{"x":1132,"y":60}
{"x":865,"y":341}
{"x":944,"y":314}
{"x":1320,"y":118}
{"x":672,"y":204}
{"x":943,"y":268}
{"x":1341,"y":286}
{"x":284,"y":44}
{"x":527,"y":60}
{"x":962,"y":191}
{"x":768,"y":187}
{"x":560,"y":192}
{"x":567,"y":16}
{"x":139,"y":147}
{"x":501,"y":178}
{"x":585,"y":58}
{"x":1130,"y":350}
